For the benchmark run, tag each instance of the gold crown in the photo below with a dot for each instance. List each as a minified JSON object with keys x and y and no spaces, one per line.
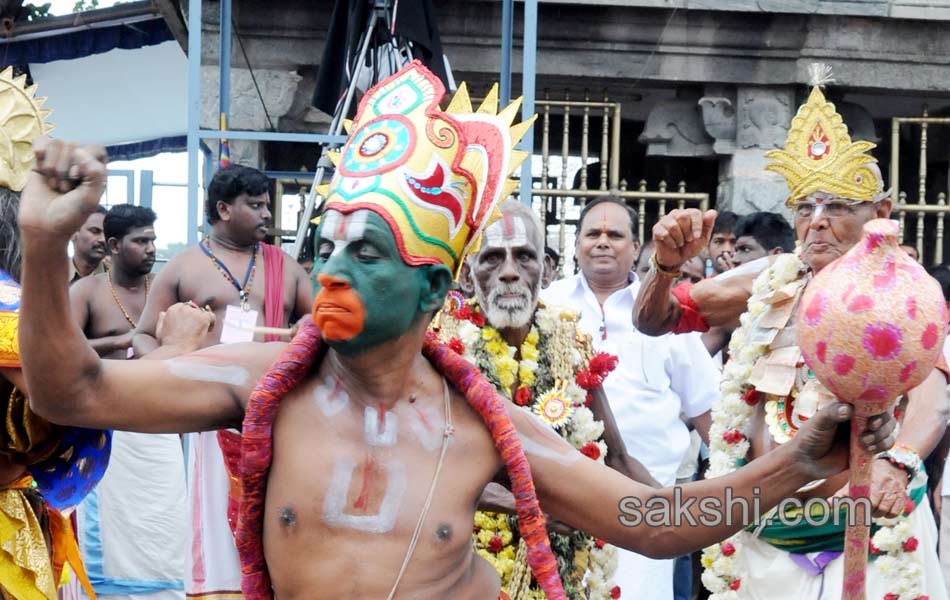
{"x":21,"y":121}
{"x":435,"y":176}
{"x":820,"y":156}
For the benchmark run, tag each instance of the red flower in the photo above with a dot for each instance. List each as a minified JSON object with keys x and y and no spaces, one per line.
{"x":735,"y":585}
{"x":615,"y":592}
{"x":728,"y":549}
{"x":732,"y":437}
{"x":495,"y":544}
{"x":908,"y":506}
{"x":599,"y":543}
{"x":457,"y":345}
{"x":873,"y":549}
{"x":910,"y":544}
{"x":523,"y":396}
{"x":478,"y":319}
{"x":464,"y":313}
{"x":603,"y":363}
{"x":891,"y":596}
{"x":585,"y":379}
{"x":751,"y":397}
{"x":591,"y":450}
{"x":588,"y":399}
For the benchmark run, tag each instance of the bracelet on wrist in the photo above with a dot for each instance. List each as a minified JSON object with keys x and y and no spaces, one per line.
{"x":671,"y":273}
{"x":904,"y":458}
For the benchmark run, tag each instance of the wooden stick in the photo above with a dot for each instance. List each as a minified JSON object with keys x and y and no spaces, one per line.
{"x":273,"y":331}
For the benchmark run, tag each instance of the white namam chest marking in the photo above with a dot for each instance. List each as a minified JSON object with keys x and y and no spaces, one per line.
{"x":343,"y":229}
{"x":507,"y":232}
{"x":427,"y":424}
{"x":380,"y":427}
{"x":330,"y":396}
{"x":335,"y":510}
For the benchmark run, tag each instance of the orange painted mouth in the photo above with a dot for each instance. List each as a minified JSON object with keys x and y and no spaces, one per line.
{"x":337,"y":310}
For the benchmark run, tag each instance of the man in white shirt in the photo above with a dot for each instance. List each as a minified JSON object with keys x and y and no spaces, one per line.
{"x":657,"y":378}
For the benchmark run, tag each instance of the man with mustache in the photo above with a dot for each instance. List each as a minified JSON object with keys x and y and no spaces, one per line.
{"x":108,"y":306}
{"x":246,"y":283}
{"x":831,"y":200}
{"x":656,"y":380}
{"x":366,"y":443}
{"x":89,"y":248}
{"x":525,"y":348}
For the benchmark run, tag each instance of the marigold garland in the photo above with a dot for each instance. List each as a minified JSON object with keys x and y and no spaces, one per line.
{"x":729,"y":447}
{"x":555,"y":360}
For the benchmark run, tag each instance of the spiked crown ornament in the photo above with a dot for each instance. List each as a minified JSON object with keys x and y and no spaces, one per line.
{"x":22,"y":119}
{"x":819,"y":154}
{"x":435,"y":176}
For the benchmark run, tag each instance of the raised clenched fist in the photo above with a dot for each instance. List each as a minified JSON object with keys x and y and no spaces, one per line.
{"x":63,"y":189}
{"x":682,"y":234}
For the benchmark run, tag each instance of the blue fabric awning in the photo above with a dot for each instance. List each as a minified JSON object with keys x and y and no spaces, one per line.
{"x":78,"y":44}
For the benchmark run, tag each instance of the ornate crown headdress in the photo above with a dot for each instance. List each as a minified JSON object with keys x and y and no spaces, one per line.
{"x":819,"y":154}
{"x":21,"y":121}
{"x":435,"y":176}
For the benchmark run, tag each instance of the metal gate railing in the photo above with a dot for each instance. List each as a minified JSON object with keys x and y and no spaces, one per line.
{"x":927,"y":216}
{"x":560,"y":186}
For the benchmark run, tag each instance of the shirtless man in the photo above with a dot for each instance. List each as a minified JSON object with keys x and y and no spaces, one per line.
{"x":350,"y":473}
{"x":230,"y":264}
{"x":107,"y":306}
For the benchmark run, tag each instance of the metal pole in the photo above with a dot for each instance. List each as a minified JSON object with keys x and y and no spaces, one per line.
{"x":224,"y":61}
{"x":336,"y":126}
{"x":507,"y":41}
{"x":528,"y":73}
{"x":194,"y":104}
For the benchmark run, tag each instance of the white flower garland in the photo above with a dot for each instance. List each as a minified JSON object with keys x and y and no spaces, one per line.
{"x":729,"y":448}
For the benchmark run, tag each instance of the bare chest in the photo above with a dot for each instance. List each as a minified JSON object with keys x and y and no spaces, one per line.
{"x":208,"y":285}
{"x":114,"y":311}
{"x":347,"y":477}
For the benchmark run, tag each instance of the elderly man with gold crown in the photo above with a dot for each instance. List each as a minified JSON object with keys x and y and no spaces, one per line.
{"x":365,"y":443}
{"x":769,"y":393}
{"x":44,"y":468}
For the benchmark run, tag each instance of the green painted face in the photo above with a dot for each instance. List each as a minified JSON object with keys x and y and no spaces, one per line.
{"x":365,"y":293}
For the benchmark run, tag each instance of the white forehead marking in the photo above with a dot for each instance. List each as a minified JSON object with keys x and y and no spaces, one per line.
{"x":334,"y":504}
{"x":231,"y":375}
{"x":343,"y":229}
{"x":507,"y":232}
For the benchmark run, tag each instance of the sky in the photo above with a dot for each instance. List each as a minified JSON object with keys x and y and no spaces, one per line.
{"x":65,"y":7}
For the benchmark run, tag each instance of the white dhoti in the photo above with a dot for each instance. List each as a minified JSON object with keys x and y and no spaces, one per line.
{"x":214,"y":569}
{"x":769,"y":574}
{"x":132,"y":527}
{"x":644,"y":578}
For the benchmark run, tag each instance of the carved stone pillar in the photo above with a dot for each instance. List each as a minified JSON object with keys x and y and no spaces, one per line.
{"x":247,"y":111}
{"x":747,"y":123}
{"x":675,"y":128}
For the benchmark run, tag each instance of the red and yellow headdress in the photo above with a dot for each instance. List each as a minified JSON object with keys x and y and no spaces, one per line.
{"x":820,"y":156}
{"x":435,"y":176}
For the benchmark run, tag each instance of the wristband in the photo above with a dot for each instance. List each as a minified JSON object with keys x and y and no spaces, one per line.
{"x":904,"y":458}
{"x":664,"y":271}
